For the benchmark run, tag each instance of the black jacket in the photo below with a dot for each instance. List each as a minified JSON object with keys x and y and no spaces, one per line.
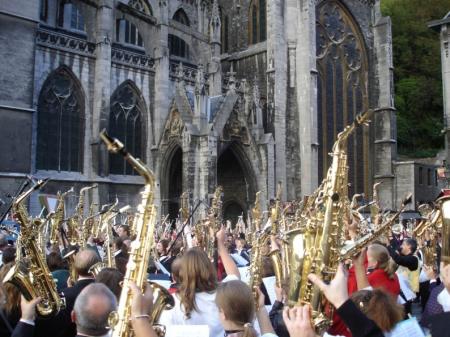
{"x":61,"y":325}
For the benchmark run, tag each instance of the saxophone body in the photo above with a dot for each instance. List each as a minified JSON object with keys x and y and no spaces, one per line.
{"x":321,"y":231}
{"x":444,"y":205}
{"x":215,"y":221}
{"x":33,"y":278}
{"x":80,"y":214}
{"x":57,"y":218}
{"x":141,"y":247}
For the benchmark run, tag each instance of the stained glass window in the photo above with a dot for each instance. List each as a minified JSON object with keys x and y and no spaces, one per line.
{"x":60,"y":123}
{"x":178,"y":47}
{"x":126,"y":124}
{"x":126,"y":32}
{"x":257,"y":31}
{"x":181,"y":17}
{"x":342,"y":89}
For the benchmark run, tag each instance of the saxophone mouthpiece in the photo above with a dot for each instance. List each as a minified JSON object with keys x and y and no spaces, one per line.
{"x":112,"y":144}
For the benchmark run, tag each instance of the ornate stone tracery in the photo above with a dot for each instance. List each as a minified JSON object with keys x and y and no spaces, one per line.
{"x":342,"y":88}
{"x":234,"y":128}
{"x":174,"y":126}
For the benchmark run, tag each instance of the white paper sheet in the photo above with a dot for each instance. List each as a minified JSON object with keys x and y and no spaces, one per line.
{"x":187,"y":330}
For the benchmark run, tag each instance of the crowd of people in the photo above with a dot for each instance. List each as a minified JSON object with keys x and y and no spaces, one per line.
{"x":372,"y":294}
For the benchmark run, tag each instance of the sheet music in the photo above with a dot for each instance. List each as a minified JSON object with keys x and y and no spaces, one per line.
{"x":407,"y":328}
{"x":269,"y":283}
{"x":187,"y":330}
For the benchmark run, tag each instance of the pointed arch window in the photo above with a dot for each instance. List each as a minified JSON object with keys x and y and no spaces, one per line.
{"x":60,"y":123}
{"x":141,"y":5}
{"x":257,"y":20}
{"x":181,"y":17}
{"x":342,"y":64}
{"x":69,"y":16}
{"x":126,"y":121}
{"x":224,"y":31}
{"x":178,"y":47}
{"x":127,"y":32}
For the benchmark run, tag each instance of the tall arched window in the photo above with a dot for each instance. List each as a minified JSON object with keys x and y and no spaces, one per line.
{"x":257,"y":31}
{"x":126,"y":122}
{"x":224,"y":31}
{"x":60,"y":123}
{"x":342,"y":89}
{"x":126,"y":32}
{"x":181,"y":17}
{"x":69,"y":16}
{"x":141,"y":5}
{"x":178,"y":47}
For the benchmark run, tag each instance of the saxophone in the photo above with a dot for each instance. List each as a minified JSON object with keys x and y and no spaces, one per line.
{"x":36,"y":280}
{"x":79,"y":213}
{"x":353,"y":249}
{"x":275,"y":255}
{"x":317,"y":243}
{"x":444,"y":205}
{"x":58,"y":217}
{"x":259,"y":239}
{"x":140,"y":249}
{"x":215,"y":221}
{"x":426,"y":230}
{"x":105,"y":218}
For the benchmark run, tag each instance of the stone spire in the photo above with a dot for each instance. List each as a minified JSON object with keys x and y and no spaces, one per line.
{"x":215,"y":24}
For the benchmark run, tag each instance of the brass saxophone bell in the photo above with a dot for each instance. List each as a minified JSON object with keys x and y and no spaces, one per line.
{"x":113,"y":319}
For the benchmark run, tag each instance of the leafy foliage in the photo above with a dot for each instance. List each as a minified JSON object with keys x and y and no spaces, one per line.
{"x":417,"y":74}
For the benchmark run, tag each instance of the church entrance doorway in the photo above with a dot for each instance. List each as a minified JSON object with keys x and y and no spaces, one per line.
{"x":234,"y":175}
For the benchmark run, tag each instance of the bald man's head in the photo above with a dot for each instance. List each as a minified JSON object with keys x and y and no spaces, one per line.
{"x":92,"y":309}
{"x":84,"y":260}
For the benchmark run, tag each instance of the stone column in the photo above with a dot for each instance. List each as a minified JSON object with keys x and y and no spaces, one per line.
{"x":162,"y":71}
{"x":384,"y":119}
{"x":306,"y":78}
{"x":102,"y":94}
{"x":276,"y":89}
{"x":443,"y":27}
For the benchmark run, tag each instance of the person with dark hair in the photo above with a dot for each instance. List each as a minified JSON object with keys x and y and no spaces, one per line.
{"x":3,"y":245}
{"x":9,"y":303}
{"x":123,"y":231}
{"x":408,"y":269}
{"x":112,"y":278}
{"x":60,"y":274}
{"x":9,"y":255}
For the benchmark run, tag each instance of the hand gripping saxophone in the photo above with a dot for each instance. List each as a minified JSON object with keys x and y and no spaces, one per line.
{"x":141,"y":248}
{"x":34,"y":280}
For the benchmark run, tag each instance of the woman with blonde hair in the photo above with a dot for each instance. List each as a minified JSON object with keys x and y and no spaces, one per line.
{"x":380,"y":272}
{"x":195,"y":299}
{"x":9,"y":303}
{"x":237,"y":311}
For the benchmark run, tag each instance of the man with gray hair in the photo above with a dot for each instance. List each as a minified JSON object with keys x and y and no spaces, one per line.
{"x":90,"y":313}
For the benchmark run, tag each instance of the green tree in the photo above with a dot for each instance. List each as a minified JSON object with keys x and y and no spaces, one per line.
{"x":417,"y":74}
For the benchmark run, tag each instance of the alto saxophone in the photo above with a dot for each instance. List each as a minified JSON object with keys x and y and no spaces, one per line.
{"x":58,"y":217}
{"x":35,"y":280}
{"x":140,"y":248}
{"x":275,"y":255}
{"x":79,"y":213}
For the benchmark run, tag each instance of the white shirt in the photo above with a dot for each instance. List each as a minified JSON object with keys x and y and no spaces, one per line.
{"x":207,"y":314}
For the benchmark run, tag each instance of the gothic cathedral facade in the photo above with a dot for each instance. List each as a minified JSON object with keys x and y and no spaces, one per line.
{"x":239,"y":93}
